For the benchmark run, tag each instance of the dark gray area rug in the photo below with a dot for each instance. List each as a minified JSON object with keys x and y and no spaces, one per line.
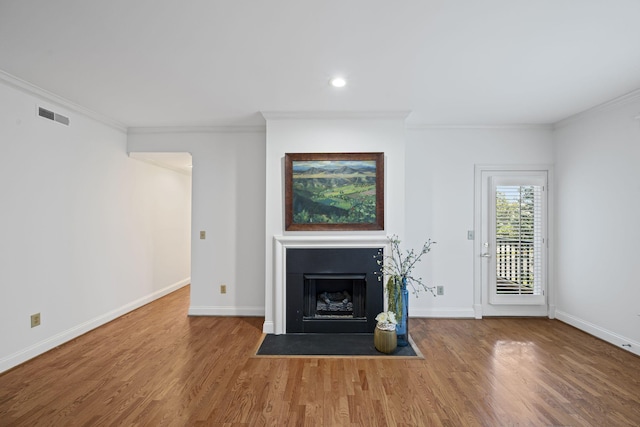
{"x":326,"y":345}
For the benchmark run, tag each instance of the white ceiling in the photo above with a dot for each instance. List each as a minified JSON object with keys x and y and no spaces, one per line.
{"x":214,"y":62}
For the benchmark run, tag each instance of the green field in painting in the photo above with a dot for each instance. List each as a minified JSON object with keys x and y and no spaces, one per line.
{"x":334,"y":200}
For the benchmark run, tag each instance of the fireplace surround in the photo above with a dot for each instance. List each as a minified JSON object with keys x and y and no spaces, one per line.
{"x":275,"y":290}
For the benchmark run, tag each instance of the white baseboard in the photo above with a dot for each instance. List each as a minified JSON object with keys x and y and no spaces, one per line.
{"x":603,"y":334}
{"x":451,"y":312}
{"x":226,"y":311}
{"x":45,"y":345}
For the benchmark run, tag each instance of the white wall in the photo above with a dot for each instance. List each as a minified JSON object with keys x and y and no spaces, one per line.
{"x":598,"y":200}
{"x":316,"y":134}
{"x":440,"y":203}
{"x":87,"y":233}
{"x":228,"y":204}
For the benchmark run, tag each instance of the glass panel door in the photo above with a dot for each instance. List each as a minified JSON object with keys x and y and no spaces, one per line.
{"x":514,"y":242}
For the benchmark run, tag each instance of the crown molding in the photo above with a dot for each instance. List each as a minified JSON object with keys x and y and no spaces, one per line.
{"x":335,"y":115}
{"x":625,"y":99}
{"x":31,"y":89}
{"x":523,"y":126}
{"x":196,"y":129}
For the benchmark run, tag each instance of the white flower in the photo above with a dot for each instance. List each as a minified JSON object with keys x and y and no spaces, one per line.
{"x":386,"y":317}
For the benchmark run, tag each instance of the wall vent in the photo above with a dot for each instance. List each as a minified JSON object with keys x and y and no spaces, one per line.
{"x":47,"y":114}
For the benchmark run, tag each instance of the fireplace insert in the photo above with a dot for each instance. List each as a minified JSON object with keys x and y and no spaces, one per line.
{"x":334,"y":296}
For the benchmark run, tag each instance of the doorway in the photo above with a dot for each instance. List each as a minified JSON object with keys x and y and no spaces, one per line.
{"x":511,"y":242}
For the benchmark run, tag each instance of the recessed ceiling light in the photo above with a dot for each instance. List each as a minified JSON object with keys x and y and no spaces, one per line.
{"x":338,"y":82}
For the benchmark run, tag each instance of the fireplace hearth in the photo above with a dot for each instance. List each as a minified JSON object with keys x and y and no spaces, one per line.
{"x":332,"y":290}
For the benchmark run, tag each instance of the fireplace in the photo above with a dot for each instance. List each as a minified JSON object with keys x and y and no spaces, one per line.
{"x":332,"y":290}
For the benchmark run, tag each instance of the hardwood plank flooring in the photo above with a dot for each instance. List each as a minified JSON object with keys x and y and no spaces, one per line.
{"x":158,"y":367}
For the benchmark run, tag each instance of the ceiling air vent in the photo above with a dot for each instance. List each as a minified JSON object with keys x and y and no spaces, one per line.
{"x":43,"y":112}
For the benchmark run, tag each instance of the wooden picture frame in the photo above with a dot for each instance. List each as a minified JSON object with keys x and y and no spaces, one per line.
{"x":334,"y":191}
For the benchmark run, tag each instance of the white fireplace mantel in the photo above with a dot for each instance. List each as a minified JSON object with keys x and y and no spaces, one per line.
{"x":276,"y":297}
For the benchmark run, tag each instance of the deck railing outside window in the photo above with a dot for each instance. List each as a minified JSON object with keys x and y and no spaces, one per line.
{"x":515,"y":266}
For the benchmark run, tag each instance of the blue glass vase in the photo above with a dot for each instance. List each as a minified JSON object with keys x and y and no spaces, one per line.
{"x":402,"y":327}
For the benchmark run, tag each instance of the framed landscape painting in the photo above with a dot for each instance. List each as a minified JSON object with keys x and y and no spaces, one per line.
{"x":334,"y":191}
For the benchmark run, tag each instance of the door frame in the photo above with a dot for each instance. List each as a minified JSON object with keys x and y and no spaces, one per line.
{"x":477,"y":225}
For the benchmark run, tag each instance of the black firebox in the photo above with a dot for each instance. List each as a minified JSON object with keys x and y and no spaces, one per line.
{"x":332,"y":290}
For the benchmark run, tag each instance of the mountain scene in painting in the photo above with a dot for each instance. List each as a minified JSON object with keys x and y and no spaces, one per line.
{"x":334,"y":192}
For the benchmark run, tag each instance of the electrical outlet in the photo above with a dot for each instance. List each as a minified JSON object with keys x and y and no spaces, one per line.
{"x":203,"y":235}
{"x":35,"y":320}
{"x":223,"y":289}
{"x":440,"y":290}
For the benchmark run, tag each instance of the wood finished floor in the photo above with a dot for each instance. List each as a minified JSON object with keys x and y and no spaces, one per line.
{"x":157,"y":366}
